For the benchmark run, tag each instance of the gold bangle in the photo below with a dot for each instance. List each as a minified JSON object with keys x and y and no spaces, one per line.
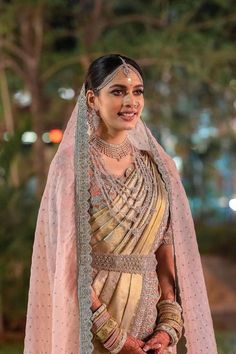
{"x":120,"y":344}
{"x":116,"y":342}
{"x":98,"y":311}
{"x":112,"y":339}
{"x":100,"y":321}
{"x":169,"y":308}
{"x":106,"y":330}
{"x":174,"y":325}
{"x":170,"y":316}
{"x":168,"y":329}
{"x":170,"y":303}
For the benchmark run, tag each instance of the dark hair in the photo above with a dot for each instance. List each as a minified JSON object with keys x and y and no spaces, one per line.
{"x":103,"y":66}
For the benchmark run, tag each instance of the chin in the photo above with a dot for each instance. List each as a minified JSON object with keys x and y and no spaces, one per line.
{"x":129,"y":125}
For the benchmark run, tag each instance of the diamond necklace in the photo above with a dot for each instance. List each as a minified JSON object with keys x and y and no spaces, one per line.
{"x":115,"y":151}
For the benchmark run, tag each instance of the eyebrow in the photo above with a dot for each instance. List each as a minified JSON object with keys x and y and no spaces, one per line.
{"x":124,"y":86}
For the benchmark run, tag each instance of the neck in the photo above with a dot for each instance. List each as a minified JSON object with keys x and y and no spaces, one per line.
{"x":111,"y":136}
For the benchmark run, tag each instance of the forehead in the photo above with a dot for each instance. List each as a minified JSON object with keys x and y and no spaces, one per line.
{"x":130,"y":80}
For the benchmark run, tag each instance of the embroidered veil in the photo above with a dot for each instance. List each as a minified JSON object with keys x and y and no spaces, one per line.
{"x":58,"y":316}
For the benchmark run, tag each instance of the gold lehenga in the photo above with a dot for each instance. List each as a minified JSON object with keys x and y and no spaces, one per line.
{"x":124,"y":268}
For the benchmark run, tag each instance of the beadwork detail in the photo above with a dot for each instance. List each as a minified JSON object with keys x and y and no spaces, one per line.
{"x":83,"y":227}
{"x":125,"y":263}
{"x":115,"y":151}
{"x":111,"y":186}
{"x":144,"y":321}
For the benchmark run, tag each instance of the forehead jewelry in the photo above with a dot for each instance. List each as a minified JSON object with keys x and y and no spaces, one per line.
{"x":127,"y":68}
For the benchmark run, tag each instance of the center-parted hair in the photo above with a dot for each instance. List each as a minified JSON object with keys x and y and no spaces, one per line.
{"x":101,"y":67}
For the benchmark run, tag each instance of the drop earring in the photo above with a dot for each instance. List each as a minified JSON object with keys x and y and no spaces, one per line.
{"x":93,"y":119}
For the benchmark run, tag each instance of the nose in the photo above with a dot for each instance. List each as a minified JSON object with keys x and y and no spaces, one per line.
{"x":129,"y":100}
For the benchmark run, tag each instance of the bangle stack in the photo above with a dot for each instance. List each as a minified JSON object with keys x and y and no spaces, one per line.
{"x":107,"y":331}
{"x":170,"y":320}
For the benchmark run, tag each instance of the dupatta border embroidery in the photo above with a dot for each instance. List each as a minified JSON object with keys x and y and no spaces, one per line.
{"x":84,"y":258}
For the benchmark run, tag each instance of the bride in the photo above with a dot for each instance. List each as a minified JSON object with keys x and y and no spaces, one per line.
{"x":115,"y":266}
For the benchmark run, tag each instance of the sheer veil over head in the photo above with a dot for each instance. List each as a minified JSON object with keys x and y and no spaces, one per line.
{"x":59,"y":314}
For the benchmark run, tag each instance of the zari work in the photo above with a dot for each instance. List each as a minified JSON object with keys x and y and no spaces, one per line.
{"x":124,"y":267}
{"x":59,"y":306}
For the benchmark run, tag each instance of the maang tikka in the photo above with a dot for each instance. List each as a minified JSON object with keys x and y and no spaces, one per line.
{"x":127,"y":68}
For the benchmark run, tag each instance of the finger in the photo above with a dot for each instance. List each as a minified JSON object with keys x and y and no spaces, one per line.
{"x":159,"y":351}
{"x":157,"y":346}
{"x":161,"y":341}
{"x":139,"y":345}
{"x":140,"y":342}
{"x":151,"y":345}
{"x":140,"y":351}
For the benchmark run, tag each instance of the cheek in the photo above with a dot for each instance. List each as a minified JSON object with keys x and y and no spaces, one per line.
{"x":113,"y":105}
{"x":141,"y":106}
{"x":142,"y":102}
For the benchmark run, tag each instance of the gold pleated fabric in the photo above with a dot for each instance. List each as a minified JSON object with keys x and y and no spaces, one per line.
{"x":124,"y":268}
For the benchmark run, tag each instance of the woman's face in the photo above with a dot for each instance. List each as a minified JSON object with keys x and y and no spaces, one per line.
{"x":120,"y":103}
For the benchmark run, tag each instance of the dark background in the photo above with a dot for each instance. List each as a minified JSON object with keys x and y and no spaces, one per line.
{"x":187,"y":51}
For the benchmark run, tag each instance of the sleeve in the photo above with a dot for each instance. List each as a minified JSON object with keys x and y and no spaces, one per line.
{"x":168,"y":234}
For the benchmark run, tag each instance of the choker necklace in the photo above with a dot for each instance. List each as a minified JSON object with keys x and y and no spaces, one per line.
{"x":115,"y":151}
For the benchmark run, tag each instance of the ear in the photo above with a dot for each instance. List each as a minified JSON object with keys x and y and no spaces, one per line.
{"x":91,"y":99}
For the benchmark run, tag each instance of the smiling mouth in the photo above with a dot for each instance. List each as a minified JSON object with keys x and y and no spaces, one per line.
{"x":128,"y":116}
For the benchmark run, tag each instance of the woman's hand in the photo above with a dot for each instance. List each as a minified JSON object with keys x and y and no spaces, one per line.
{"x":158,"y":343}
{"x":132,"y":346}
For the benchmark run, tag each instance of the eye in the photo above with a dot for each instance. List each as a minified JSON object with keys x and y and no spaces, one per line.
{"x":138,"y":92}
{"x":117,"y":92}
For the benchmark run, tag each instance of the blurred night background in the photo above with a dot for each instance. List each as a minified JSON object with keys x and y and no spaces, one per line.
{"x":188,"y":54}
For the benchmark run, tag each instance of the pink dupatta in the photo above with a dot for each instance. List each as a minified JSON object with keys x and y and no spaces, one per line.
{"x":58,"y":315}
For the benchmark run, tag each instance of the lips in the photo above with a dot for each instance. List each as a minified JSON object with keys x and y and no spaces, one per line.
{"x":127,"y":115}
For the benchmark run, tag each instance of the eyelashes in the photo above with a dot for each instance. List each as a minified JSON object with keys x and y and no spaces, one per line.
{"x":118,"y":92}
